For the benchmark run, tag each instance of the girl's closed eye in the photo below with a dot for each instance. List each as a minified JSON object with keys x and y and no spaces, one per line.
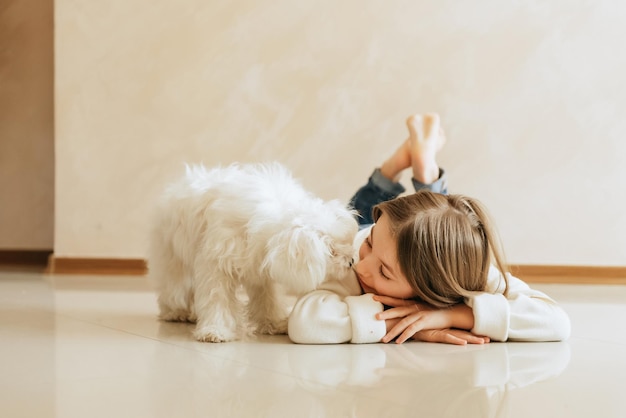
{"x":383,"y":274}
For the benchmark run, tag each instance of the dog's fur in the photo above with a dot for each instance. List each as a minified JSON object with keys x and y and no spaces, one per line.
{"x":243,"y":226}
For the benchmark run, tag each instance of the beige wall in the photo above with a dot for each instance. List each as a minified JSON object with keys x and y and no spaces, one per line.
{"x":531,"y":94}
{"x":26,"y":125}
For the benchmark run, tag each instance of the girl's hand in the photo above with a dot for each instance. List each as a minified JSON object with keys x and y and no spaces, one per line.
{"x":449,"y":336}
{"x":406,"y":319}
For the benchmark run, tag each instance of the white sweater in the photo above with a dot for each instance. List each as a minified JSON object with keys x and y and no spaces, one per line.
{"x":339,"y":312}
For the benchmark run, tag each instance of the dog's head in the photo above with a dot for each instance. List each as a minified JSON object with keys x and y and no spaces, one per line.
{"x":311,"y":250}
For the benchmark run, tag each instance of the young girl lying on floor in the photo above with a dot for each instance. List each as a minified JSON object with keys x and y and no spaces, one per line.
{"x":432,"y":259}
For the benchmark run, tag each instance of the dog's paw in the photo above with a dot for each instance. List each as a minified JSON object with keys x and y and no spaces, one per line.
{"x":273,"y":328}
{"x":214,"y":336}
{"x":175,"y":316}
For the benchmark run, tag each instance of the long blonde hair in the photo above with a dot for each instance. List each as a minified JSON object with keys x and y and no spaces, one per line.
{"x":446,"y":245}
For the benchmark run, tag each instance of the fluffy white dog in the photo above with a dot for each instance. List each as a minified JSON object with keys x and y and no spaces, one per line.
{"x":243,"y":226}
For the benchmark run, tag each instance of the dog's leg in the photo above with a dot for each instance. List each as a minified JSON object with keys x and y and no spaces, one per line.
{"x":265,"y":309}
{"x":168,"y":274}
{"x":220,"y":314}
{"x":174,"y":303}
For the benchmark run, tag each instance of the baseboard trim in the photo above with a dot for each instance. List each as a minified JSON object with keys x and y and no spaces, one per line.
{"x":28,"y":258}
{"x":97,"y":266}
{"x":611,"y":275}
{"x":529,"y":273}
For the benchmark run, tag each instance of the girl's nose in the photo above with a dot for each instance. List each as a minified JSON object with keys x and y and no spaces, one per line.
{"x":361,"y":267}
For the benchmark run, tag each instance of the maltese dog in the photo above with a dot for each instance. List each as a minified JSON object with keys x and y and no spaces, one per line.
{"x":249,"y":227}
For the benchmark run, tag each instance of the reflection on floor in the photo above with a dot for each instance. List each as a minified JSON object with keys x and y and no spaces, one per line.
{"x":81,"y":346}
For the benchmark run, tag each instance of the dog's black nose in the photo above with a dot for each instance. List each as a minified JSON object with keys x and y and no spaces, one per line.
{"x":351,"y":263}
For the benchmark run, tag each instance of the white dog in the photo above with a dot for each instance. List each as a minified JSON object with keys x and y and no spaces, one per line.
{"x":243,"y":226}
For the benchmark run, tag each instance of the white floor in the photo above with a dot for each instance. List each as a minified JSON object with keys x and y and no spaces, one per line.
{"x":80,"y":346}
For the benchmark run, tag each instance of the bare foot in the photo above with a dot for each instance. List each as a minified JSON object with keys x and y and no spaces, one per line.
{"x":426,"y":138}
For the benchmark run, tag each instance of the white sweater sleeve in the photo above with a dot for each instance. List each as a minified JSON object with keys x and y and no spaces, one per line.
{"x":336,"y":313}
{"x":523,"y":315}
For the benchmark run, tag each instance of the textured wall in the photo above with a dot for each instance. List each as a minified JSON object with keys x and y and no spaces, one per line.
{"x":531,"y":95}
{"x":26,"y":125}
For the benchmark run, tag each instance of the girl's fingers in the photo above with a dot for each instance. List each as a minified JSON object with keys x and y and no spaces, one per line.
{"x":393,"y":333}
{"x":468,"y":337}
{"x":452,"y":339}
{"x":474,"y":340}
{"x":407,"y":334}
{"x":408,"y":327}
{"x":447,"y":336}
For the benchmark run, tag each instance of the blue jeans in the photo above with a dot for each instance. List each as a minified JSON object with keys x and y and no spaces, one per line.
{"x":380,"y":189}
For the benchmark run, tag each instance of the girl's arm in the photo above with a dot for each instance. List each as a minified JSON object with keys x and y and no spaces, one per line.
{"x":408,"y":319}
{"x":335,"y":314}
{"x":523,"y":315}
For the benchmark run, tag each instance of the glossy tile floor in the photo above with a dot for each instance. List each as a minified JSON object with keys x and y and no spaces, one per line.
{"x":90,"y":346}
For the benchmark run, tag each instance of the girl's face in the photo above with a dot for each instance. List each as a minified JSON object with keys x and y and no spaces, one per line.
{"x":378,"y":270}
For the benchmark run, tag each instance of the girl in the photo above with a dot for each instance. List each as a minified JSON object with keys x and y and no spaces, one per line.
{"x":432,"y":259}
